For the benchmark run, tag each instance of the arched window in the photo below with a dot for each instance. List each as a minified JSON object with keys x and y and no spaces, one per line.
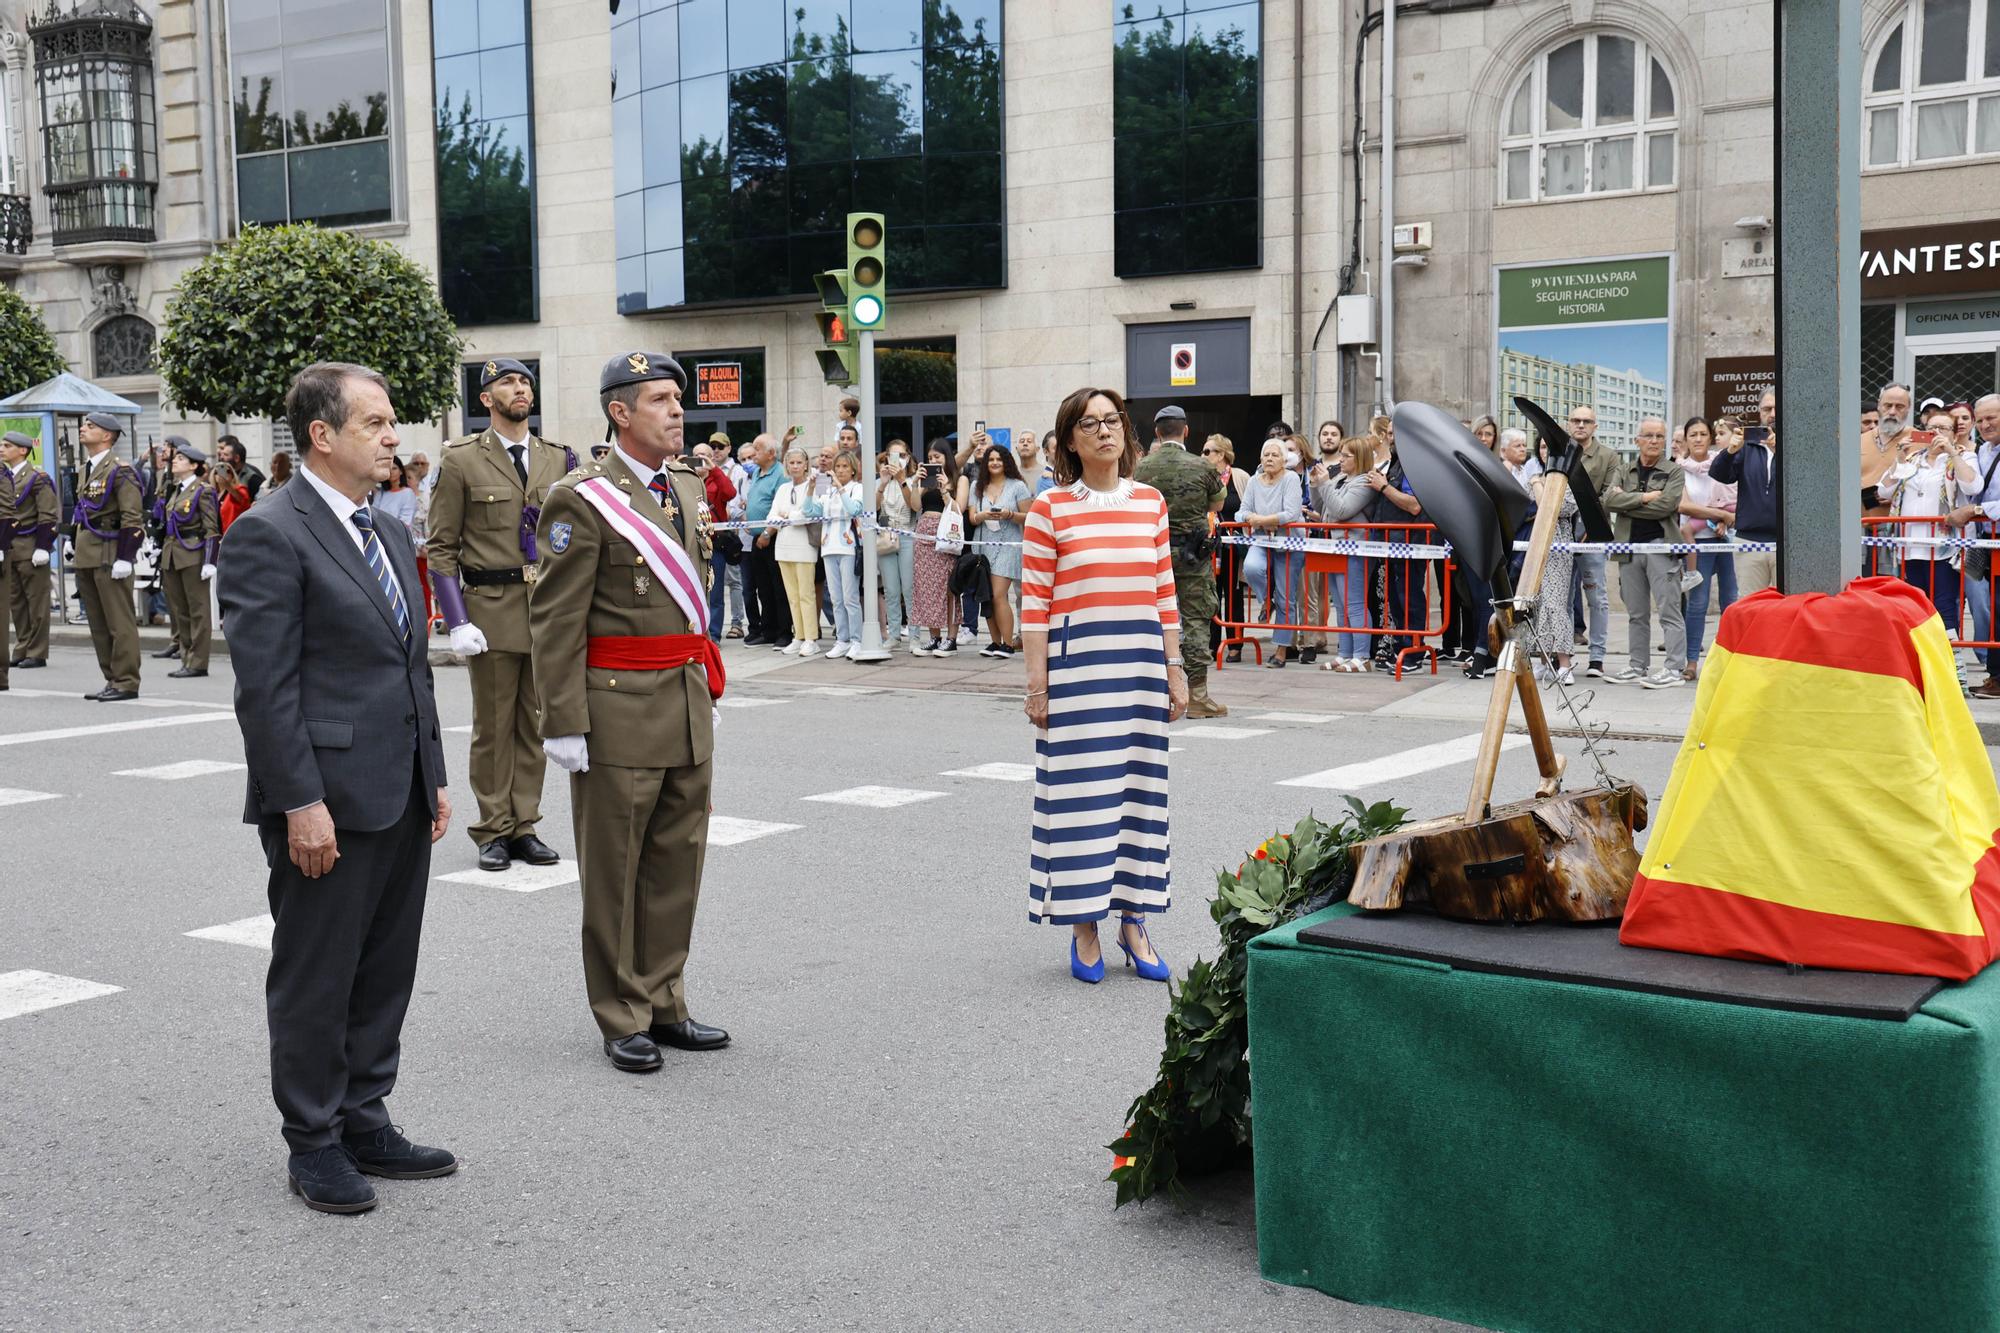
{"x":1934,"y":84}
{"x":122,"y":345}
{"x":1592,"y":115}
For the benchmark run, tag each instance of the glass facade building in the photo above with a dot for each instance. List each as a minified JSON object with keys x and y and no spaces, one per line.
{"x":1185,"y":94}
{"x":744,"y":131}
{"x":313,"y":116}
{"x":485,"y":160}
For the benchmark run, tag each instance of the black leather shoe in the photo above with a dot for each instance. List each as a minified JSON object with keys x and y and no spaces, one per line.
{"x":386,"y":1153}
{"x":635,"y":1054}
{"x":96,"y":695}
{"x":329,"y":1182}
{"x":186,"y":672}
{"x":688,"y":1035}
{"x":493,"y":855}
{"x":30,"y":663}
{"x":168,"y":651}
{"x":756,"y":641}
{"x":111,"y":696}
{"x":532,"y":849}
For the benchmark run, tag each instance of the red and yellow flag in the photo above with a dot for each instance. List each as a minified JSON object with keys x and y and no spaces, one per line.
{"x":1832,"y":804}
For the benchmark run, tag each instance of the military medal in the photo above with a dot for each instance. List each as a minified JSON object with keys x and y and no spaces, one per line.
{"x":641,"y":585}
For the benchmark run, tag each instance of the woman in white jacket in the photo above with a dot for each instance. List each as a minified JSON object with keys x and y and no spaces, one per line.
{"x":1341,"y":497}
{"x":1925,"y":482}
{"x":839,"y":503}
{"x":797,"y":552}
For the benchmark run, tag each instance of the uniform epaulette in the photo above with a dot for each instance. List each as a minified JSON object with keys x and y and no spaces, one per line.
{"x":463,"y":439}
{"x":680,"y":465}
{"x":582,"y":473}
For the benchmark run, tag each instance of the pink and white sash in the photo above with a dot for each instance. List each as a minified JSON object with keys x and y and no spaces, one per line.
{"x":670,"y":564}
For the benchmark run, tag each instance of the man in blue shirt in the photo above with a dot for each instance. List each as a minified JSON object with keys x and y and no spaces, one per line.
{"x":763,"y":589}
{"x":1983,"y":507}
{"x":1754,"y":472}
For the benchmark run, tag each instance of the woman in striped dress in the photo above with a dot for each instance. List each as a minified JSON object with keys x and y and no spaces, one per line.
{"x":1102,"y":634}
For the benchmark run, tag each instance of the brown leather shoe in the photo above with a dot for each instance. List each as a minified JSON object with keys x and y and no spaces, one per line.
{"x":1990,"y":689}
{"x":1201,"y":705}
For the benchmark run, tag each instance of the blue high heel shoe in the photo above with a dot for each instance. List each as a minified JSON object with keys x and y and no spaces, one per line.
{"x":1093,"y":973}
{"x":1157,"y":970}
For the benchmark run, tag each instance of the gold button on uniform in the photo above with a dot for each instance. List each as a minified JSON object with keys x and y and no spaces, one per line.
{"x":612,"y":683}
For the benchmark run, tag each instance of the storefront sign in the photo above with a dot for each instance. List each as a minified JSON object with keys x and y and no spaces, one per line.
{"x":718,"y":384}
{"x":1733,"y":385}
{"x":1749,"y":257}
{"x":1923,"y":319}
{"x":1592,"y":334}
{"x":1180,"y":372}
{"x":1931,"y":261}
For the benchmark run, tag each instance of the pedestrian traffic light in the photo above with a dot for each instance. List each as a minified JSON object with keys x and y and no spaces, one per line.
{"x":836,"y":355}
{"x":867,"y":270}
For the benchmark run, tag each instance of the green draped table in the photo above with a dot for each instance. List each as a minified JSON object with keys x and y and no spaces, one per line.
{"x":1528,"y":1154}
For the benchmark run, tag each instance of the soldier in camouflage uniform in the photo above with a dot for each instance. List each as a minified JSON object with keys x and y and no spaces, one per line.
{"x":1193,"y":491}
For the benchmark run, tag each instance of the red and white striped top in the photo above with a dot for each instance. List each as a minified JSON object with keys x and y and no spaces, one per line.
{"x":1080,"y":554}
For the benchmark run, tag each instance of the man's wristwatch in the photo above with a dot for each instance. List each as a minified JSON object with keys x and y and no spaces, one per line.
{"x":1175,"y":661}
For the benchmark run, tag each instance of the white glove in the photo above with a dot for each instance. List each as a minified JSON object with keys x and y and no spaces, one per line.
{"x":468,"y":640}
{"x":571,"y":753}
{"x":121,"y":569}
{"x":40,"y":559}
{"x":207,"y":573}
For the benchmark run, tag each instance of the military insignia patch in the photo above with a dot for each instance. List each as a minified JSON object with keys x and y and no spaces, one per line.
{"x":637,"y":361}
{"x":559,"y":537}
{"x":492,"y":367}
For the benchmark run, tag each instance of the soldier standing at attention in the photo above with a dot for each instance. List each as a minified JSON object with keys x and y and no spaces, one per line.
{"x":7,"y":507}
{"x":193,"y":531}
{"x":483,"y":560}
{"x":630,"y":678}
{"x":110,"y":523}
{"x":36,"y":511}
{"x":1194,"y":492}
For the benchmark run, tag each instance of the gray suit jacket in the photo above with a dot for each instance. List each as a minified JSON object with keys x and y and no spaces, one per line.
{"x":333,"y":706}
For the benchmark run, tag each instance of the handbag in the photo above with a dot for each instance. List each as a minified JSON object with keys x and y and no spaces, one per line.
{"x":950,"y":532}
{"x":888,"y":541}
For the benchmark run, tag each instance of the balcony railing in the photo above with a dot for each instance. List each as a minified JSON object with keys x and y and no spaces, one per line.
{"x":17,"y":224}
{"x":104,"y":210}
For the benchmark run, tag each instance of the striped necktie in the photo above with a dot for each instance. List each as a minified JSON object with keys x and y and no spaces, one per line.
{"x":378,"y":561}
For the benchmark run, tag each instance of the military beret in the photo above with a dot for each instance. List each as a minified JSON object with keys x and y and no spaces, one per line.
{"x":638,"y":367}
{"x":105,"y":421}
{"x":184,"y":449}
{"x":1169,"y":413}
{"x":494,"y":369}
{"x":18,"y":440}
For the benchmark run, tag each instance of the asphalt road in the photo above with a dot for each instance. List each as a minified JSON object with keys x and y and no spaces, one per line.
{"x":908,"y":1131}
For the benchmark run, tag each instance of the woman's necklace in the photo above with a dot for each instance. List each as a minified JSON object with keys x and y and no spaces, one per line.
{"x":1117,"y":495}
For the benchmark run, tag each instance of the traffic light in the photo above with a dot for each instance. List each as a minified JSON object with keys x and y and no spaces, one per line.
{"x":867,"y":271}
{"x":836,"y":356}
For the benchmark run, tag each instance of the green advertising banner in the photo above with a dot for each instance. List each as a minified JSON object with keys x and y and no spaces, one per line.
{"x":32,"y":428}
{"x":1604,"y":292}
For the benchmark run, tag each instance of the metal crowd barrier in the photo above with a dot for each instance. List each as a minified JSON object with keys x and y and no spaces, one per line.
{"x":1932,"y":572}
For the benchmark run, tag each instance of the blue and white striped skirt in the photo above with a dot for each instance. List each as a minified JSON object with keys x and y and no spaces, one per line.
{"x":1100,"y":831}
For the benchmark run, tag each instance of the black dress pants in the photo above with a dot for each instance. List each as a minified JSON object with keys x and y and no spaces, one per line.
{"x":343,"y":960}
{"x":777,"y":612}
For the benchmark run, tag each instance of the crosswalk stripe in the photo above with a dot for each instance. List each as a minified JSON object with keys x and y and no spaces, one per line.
{"x":1294,"y":717}
{"x":19,"y":796}
{"x":875,"y":798}
{"x":154,"y":701}
{"x":994,"y":772}
{"x":750,"y":703}
{"x":186,"y":768}
{"x":113,"y":728}
{"x":519,"y":877}
{"x":26,"y":991}
{"x":252,"y":932}
{"x":1204,"y":730}
{"x":728,"y":831}
{"x":1406,"y":763}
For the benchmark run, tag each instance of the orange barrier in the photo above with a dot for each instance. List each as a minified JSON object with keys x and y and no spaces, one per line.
{"x":1402,"y":584}
{"x":1935,"y":577}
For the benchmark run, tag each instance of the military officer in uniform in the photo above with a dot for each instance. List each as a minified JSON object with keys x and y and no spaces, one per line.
{"x":6,"y":544}
{"x":1194,"y":493}
{"x":629,"y":676}
{"x":191,"y":532}
{"x":483,"y":556}
{"x":35,"y":513}
{"x":110,"y":523}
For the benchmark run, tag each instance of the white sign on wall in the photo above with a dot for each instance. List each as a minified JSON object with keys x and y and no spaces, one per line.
{"x":1180,"y":371}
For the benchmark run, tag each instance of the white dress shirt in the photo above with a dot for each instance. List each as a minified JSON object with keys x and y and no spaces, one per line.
{"x":342,"y":507}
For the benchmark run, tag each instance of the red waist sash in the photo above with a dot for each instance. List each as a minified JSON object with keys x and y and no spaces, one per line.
{"x":659,"y":652}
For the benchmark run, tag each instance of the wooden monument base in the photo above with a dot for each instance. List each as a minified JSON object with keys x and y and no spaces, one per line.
{"x":1553,"y":858}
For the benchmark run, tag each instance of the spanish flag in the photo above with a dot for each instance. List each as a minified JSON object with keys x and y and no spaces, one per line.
{"x":1832,"y":804}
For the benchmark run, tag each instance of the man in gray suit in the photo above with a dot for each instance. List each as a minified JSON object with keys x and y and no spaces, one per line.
{"x":347,"y":782}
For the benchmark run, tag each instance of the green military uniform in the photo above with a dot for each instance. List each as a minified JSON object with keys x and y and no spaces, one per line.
{"x":188,"y":545}
{"x":483,"y":557}
{"x":1192,"y":490}
{"x":110,"y":524}
{"x":35,"y":513}
{"x":6,"y":543}
{"x":641,"y":806}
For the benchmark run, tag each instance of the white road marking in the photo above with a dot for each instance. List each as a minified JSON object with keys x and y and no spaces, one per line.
{"x":840,"y":691}
{"x":17,"y":796}
{"x":1407,"y":763}
{"x":25,"y":992}
{"x":1175,"y":749}
{"x":728,"y":831}
{"x":1294,"y":717}
{"x":1223,"y":733}
{"x":459,"y":731}
{"x":749,"y":703}
{"x":517,"y":878}
{"x":186,"y":768}
{"x":996,"y":772}
{"x":252,"y":932}
{"x":150,"y":702}
{"x":875,"y":798}
{"x":113,"y":728}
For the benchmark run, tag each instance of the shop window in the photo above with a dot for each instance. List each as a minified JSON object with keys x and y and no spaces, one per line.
{"x":313,"y":111}
{"x":94,"y":73}
{"x":485,"y":160}
{"x":1934,"y":85}
{"x":1593,"y":115}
